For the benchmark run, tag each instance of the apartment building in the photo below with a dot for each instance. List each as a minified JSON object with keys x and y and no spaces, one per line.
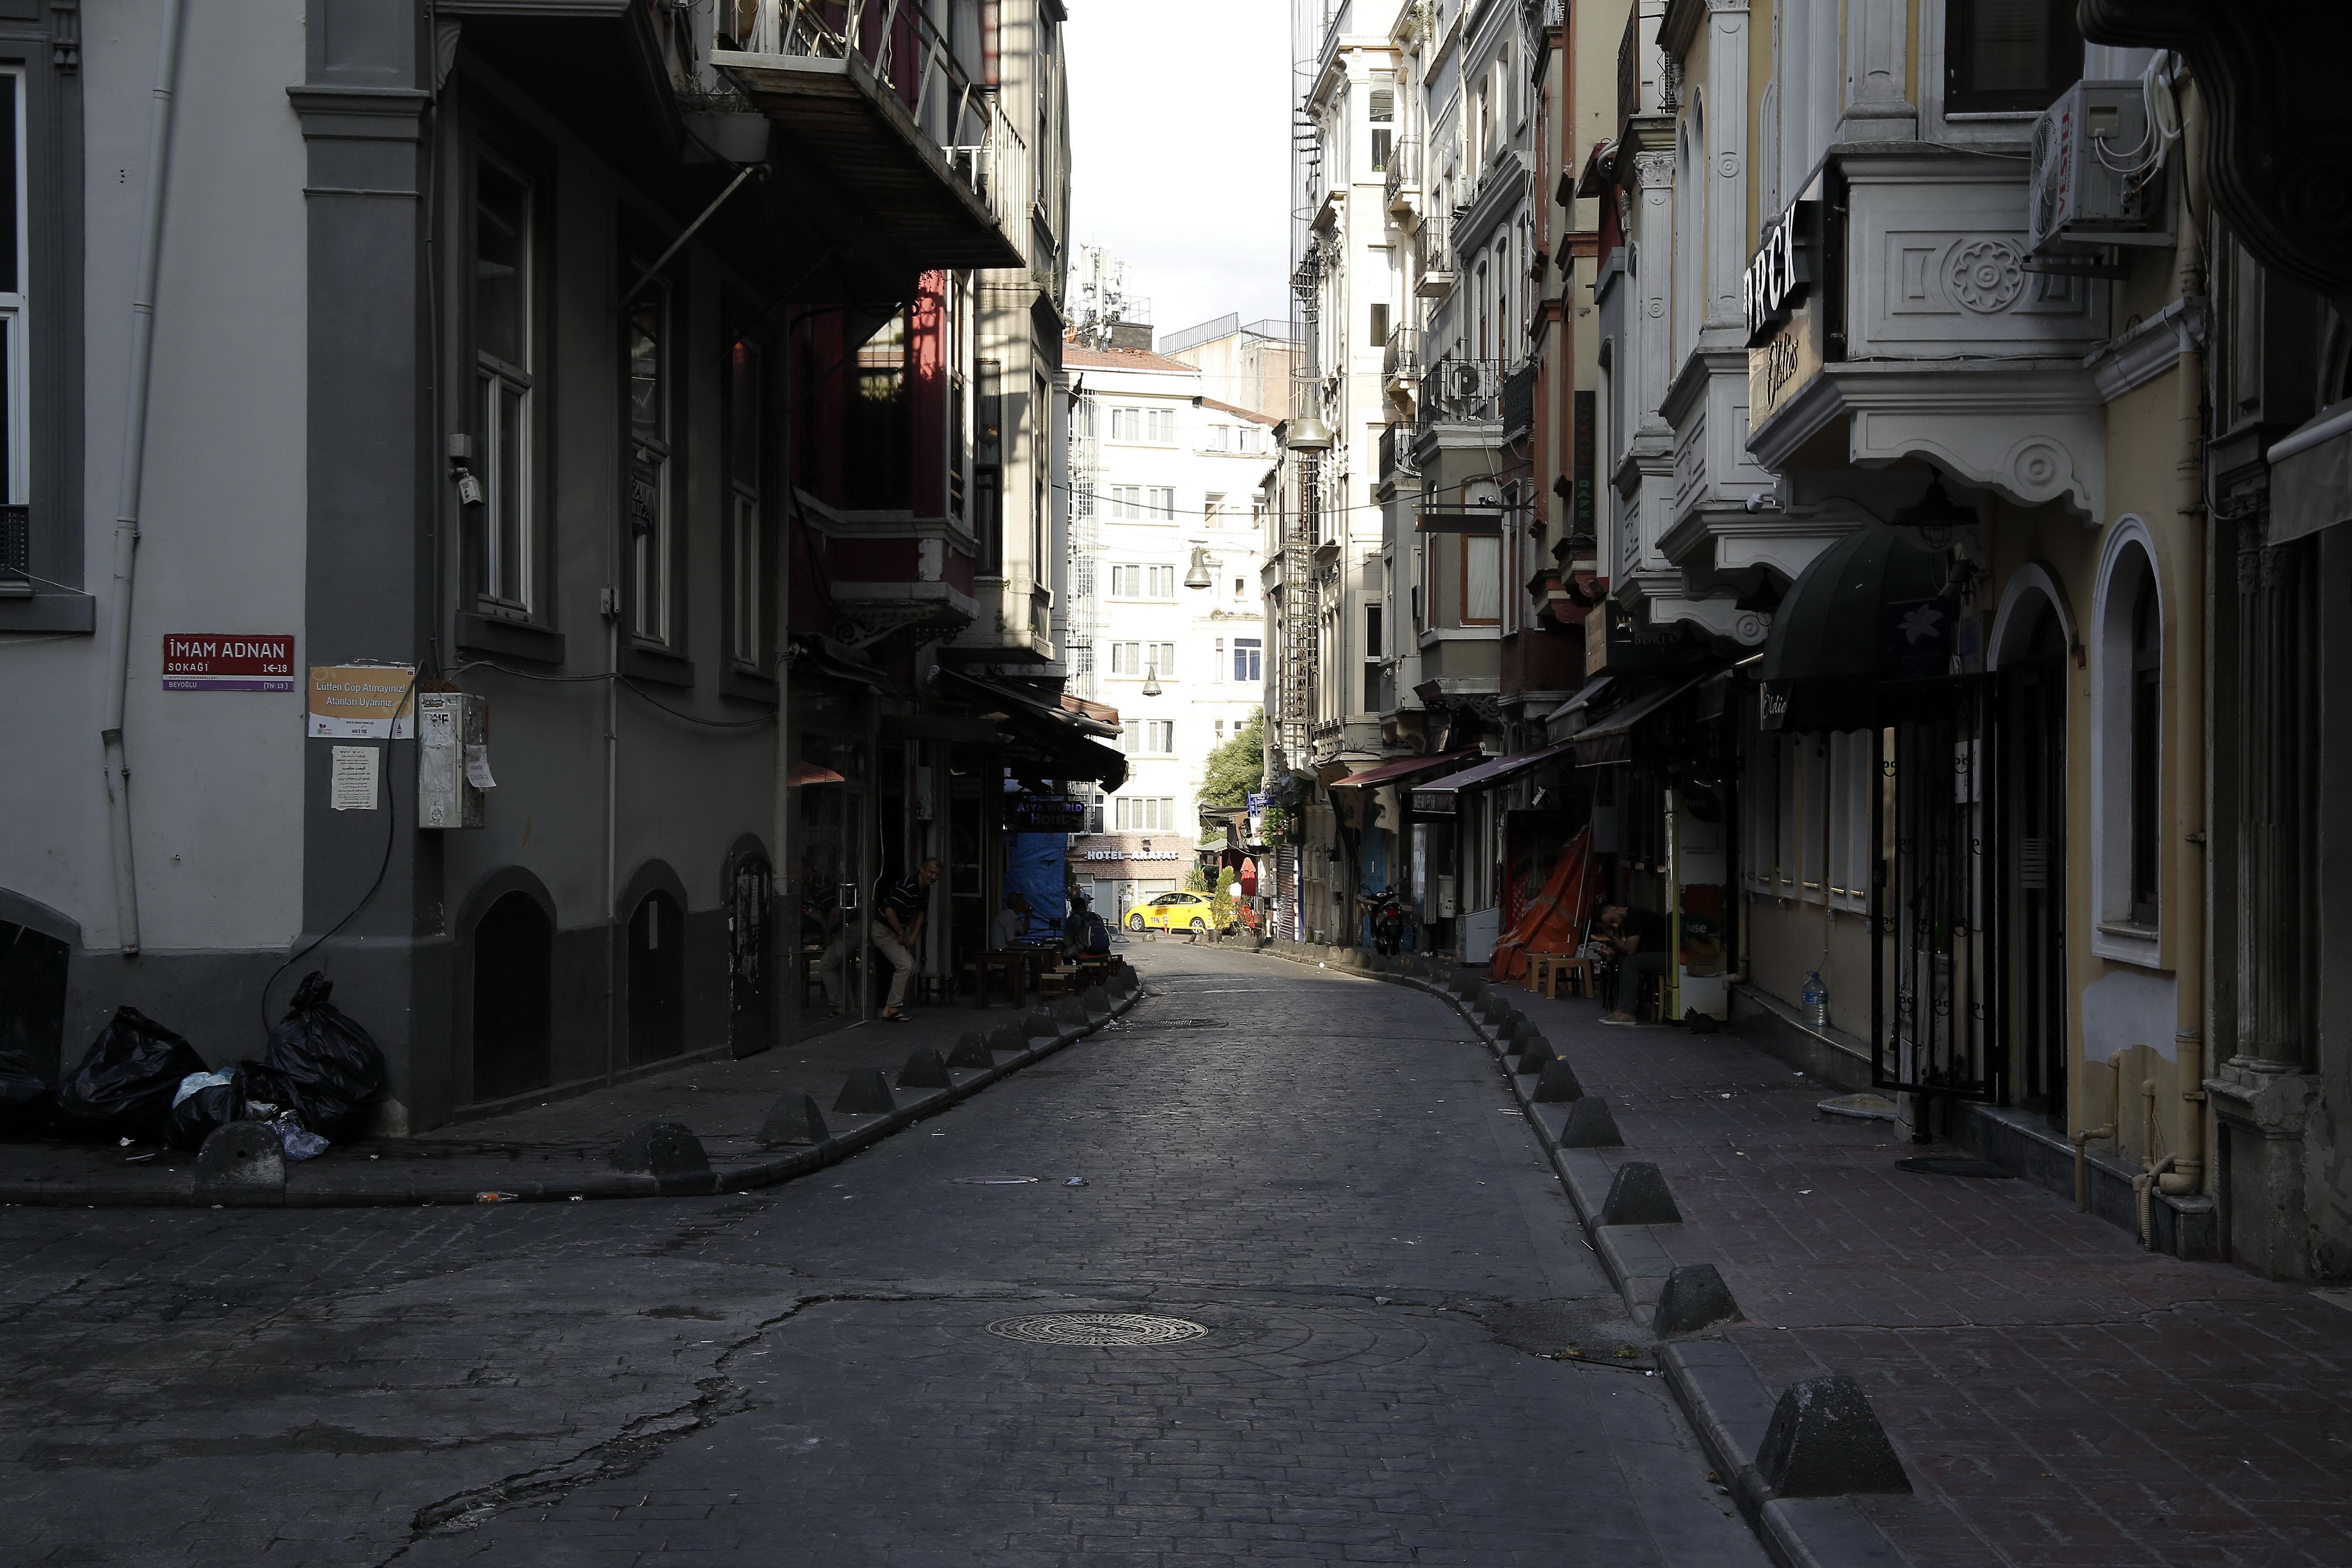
{"x":1174,"y":636}
{"x":703,"y":487}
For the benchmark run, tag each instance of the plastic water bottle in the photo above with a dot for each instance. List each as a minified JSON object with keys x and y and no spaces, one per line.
{"x":1814,"y":999}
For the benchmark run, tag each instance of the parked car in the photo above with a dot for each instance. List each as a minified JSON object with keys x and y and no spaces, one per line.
{"x":1175,"y":912}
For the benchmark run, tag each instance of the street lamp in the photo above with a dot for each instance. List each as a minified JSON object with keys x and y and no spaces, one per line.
{"x":1307,"y":433}
{"x":1151,"y":678}
{"x":1199,"y":577}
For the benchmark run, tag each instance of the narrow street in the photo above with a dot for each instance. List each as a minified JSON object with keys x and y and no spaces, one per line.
{"x":1325,"y":1174}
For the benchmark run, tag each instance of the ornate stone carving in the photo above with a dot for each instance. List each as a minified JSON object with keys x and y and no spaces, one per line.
{"x":1653,"y":169}
{"x":1986,"y":275}
{"x":64,"y":33}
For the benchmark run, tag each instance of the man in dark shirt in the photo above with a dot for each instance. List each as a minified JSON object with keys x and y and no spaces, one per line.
{"x":1636,"y":939}
{"x":899,"y":933}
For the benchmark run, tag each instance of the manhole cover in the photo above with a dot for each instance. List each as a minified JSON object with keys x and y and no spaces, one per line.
{"x":1095,"y":1328}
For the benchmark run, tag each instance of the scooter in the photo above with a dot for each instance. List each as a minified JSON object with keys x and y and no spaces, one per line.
{"x":1387,"y":923}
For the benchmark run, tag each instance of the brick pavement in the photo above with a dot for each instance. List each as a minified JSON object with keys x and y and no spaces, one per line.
{"x":1324,"y":1171}
{"x":2060,"y":1396}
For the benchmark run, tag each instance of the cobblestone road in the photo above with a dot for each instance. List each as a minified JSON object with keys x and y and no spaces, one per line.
{"x":1322,"y":1172}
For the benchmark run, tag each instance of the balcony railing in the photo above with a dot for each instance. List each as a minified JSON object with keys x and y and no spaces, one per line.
{"x":1520,"y":399}
{"x":1403,"y":172}
{"x":877,"y":93}
{"x":1629,"y":71}
{"x":1433,"y":245}
{"x":1396,"y":450}
{"x":1401,"y":356}
{"x":1462,"y":392}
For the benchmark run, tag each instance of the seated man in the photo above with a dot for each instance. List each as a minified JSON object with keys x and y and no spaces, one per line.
{"x":1637,"y":939}
{"x":1012,"y":923}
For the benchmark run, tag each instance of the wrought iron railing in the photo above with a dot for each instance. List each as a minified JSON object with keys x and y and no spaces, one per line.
{"x":1433,"y":242}
{"x":1520,"y":399}
{"x":1460,"y":392}
{"x":1405,"y":168}
{"x":1401,"y":355}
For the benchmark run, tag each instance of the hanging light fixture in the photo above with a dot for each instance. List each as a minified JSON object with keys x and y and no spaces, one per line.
{"x":1198,"y":576}
{"x":1151,"y":678}
{"x":1307,"y":433}
{"x":1935,"y":515}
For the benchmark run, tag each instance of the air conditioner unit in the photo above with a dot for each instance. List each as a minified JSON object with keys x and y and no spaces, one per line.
{"x":1468,"y":381}
{"x":2099,"y":171}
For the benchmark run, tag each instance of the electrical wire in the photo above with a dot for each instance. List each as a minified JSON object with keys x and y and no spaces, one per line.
{"x":603,"y":676}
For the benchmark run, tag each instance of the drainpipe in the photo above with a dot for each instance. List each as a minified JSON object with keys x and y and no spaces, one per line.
{"x":2188,"y":772}
{"x":2141,"y":1187}
{"x":2089,"y":1135}
{"x":117,"y":767}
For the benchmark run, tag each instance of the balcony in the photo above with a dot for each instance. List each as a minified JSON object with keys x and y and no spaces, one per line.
{"x":1400,"y":361}
{"x":1462,"y":392}
{"x":1434,"y":250}
{"x":1404,"y":180}
{"x":872,"y":92}
{"x":1396,"y":452}
{"x":1520,"y":401}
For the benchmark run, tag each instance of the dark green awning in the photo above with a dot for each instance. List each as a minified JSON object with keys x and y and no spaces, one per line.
{"x":1867,"y":613}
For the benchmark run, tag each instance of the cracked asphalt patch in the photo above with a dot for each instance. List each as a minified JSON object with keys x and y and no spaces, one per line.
{"x":1399,"y":1361}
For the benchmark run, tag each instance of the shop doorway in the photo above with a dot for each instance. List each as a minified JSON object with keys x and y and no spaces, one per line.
{"x":657,"y":979}
{"x":2031,"y":984}
{"x":514,"y":997}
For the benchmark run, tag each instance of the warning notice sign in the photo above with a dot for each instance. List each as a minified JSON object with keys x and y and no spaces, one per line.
{"x":228,"y":661}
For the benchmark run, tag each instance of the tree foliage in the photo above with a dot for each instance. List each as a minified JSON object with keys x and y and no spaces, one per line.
{"x":1235,"y":767}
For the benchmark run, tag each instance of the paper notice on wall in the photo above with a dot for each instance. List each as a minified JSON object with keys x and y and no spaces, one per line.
{"x":353,"y":786}
{"x":477,"y":767}
{"x":363,"y":701}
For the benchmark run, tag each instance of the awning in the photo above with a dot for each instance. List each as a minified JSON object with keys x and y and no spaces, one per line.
{"x":1583,"y":700}
{"x":1868,"y":612}
{"x":1612,"y":739}
{"x":2311,"y":476}
{"x":1061,"y":738}
{"x":1407,"y":767}
{"x":810,"y":774}
{"x":1439,"y":796}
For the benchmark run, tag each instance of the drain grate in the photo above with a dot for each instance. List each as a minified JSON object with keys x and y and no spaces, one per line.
{"x":1095,"y":1328}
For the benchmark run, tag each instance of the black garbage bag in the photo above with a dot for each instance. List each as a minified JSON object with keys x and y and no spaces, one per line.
{"x":330,"y":1066}
{"x":195,"y":1113}
{"x":24,"y":1096}
{"x":123,"y":1088}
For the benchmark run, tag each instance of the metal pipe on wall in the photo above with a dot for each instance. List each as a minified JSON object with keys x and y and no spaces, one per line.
{"x":116,"y":764}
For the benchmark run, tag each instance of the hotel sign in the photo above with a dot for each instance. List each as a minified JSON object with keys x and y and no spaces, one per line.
{"x":1785,"y":364}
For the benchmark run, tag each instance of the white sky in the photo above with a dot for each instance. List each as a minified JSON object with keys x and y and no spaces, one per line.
{"x":1180,"y":151}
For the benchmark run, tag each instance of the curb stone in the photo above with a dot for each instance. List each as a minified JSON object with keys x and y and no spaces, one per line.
{"x":325,"y":1185}
{"x":1712,"y":1379}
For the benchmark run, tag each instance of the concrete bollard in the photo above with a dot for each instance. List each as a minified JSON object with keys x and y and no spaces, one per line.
{"x":1695,"y":1298}
{"x":663,"y":1150}
{"x":972,"y":1051}
{"x":1558,"y":1084}
{"x":1537,"y":1056}
{"x":1069,"y":1013}
{"x":1638,"y":1196}
{"x":865,"y":1092}
{"x":1591,"y":1126}
{"x":1825,"y":1440}
{"x":1008,"y":1038}
{"x":241,"y":1160}
{"x":924,"y":1070}
{"x":794,"y":1119}
{"x":1095,"y":1001}
{"x":1037,"y":1024}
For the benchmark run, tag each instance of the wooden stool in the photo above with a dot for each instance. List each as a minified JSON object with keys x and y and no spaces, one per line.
{"x":1054,"y":982}
{"x":1014,"y":966}
{"x":1577,"y":971}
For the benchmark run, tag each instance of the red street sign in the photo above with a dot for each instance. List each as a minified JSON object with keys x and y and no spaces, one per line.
{"x":228,"y":661}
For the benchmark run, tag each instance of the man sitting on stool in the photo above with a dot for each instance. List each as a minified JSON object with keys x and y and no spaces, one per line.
{"x":900,"y":933}
{"x":1637,"y":939}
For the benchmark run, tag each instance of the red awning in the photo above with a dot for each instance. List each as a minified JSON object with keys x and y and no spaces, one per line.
{"x":1498,"y":769}
{"x":1390,"y":772}
{"x":810,"y":774}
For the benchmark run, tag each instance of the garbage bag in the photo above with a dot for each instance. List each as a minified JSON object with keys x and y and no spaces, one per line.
{"x":24,"y":1096}
{"x":203,"y":1101}
{"x":298,"y":1142}
{"x":265,"y":1090}
{"x":330,"y":1066}
{"x":123,"y":1088}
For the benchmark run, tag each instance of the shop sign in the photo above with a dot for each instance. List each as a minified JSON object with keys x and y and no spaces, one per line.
{"x":1919,"y":632}
{"x":1134,"y":855}
{"x":1784,"y":364}
{"x":1028,"y":813}
{"x":1434,"y":802}
{"x":1775,"y":710}
{"x":1780,"y":273}
{"x":228,"y":661}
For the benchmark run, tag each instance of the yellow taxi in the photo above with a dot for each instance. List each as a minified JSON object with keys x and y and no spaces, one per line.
{"x":1174,"y":911}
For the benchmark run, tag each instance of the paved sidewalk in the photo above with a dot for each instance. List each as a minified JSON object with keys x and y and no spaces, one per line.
{"x":2059,"y":1396}
{"x":564,"y":1148}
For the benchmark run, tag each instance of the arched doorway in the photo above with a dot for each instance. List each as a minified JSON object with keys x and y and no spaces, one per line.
{"x":750,"y":895}
{"x":514,"y":996}
{"x":657,"y":978}
{"x":32,"y":995}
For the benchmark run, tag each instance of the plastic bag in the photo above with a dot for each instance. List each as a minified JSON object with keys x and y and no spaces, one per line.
{"x":329,"y":1066}
{"x":24,"y":1096}
{"x":125,"y":1086}
{"x":203,"y":1101}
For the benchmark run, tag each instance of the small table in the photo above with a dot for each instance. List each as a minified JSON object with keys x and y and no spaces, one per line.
{"x":1013,"y":965}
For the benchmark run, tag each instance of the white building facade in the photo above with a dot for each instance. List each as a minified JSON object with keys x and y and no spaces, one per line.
{"x":1166,"y":575}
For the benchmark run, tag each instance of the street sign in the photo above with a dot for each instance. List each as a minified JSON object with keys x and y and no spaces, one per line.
{"x":228,"y":661}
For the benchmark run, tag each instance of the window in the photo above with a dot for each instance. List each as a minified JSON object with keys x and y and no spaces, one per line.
{"x":1147,"y":815}
{"x":1213,"y":508}
{"x":1241,"y":587}
{"x":1380,"y":325}
{"x":1220,"y":437}
{"x":1148,"y":737}
{"x":2147,"y":731}
{"x":1126,"y":503}
{"x":1371,"y":631}
{"x":1159,"y":427}
{"x":1221,"y":731}
{"x":1140,"y":658}
{"x":1163,"y":582}
{"x":877,"y":435}
{"x":503,"y":355}
{"x":650,"y":543}
{"x":1126,"y":657}
{"x":1482,"y":580}
{"x":746,"y":554}
{"x":2009,"y":56}
{"x":1162,"y":503}
{"x":1142,"y":582}
{"x":1127,"y":424}
{"x":1381,"y":112}
{"x":1247,"y":658}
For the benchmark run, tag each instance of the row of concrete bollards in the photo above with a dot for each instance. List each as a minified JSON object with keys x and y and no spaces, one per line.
{"x":1821,"y":1440}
